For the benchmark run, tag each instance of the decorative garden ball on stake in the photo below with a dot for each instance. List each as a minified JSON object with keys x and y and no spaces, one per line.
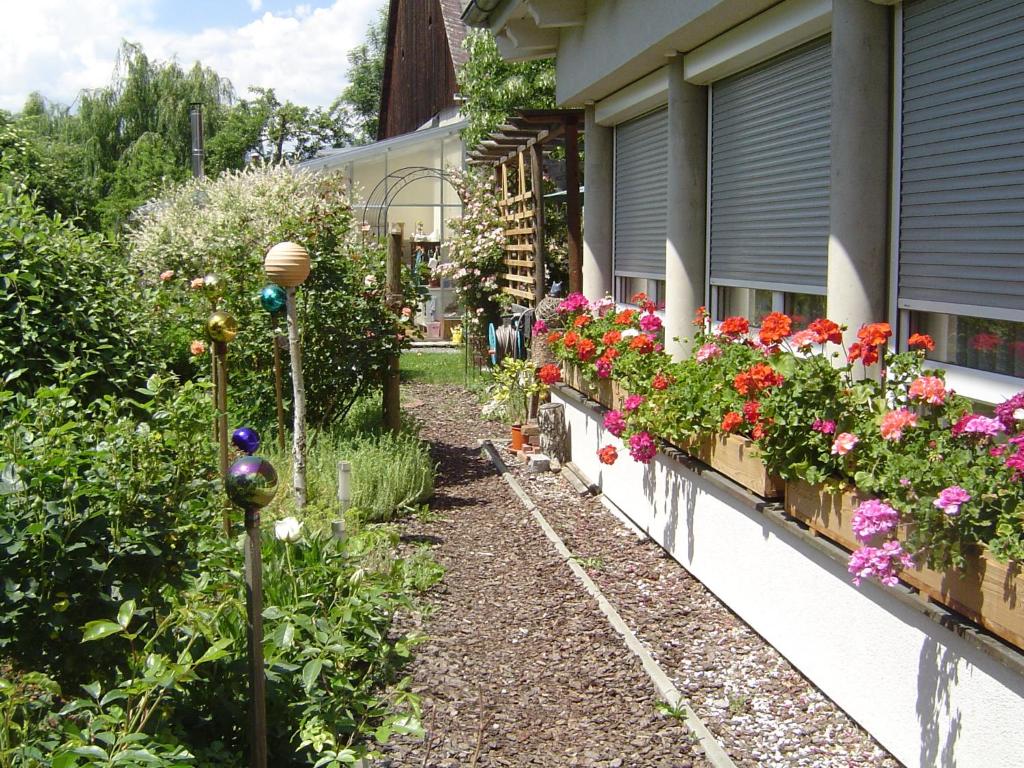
{"x":246,"y":439}
{"x":273,"y":298}
{"x":221,"y":326}
{"x":287,"y":264}
{"x":251,"y":484}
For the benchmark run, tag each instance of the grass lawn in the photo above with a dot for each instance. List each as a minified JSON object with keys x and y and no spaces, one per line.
{"x":436,"y":367}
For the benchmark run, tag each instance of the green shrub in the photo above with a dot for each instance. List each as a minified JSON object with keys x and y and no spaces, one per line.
{"x":96,"y":506}
{"x":65,"y":297}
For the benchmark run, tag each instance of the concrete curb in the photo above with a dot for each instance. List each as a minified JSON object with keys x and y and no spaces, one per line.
{"x":713,"y":751}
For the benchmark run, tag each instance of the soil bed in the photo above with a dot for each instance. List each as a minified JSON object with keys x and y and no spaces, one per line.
{"x":520,"y":668}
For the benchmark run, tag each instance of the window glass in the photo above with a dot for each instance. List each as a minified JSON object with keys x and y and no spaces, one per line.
{"x":804,"y":308}
{"x":627,"y":287}
{"x":973,"y":342}
{"x":751,"y":303}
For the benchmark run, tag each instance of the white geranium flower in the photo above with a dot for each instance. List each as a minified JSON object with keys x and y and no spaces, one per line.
{"x":288,"y":529}
{"x":1019,"y":414}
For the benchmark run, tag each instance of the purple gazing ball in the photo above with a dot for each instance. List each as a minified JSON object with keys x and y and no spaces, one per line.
{"x":246,"y":439}
{"x":251,"y":482}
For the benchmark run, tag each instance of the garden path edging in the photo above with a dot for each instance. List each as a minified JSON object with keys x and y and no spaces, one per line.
{"x":713,"y":750}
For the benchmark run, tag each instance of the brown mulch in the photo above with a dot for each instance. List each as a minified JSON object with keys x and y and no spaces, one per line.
{"x":520,"y":668}
{"x":762,"y":710}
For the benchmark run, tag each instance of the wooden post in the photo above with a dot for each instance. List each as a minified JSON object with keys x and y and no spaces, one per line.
{"x":220,"y":354}
{"x":537,"y":183}
{"x":299,"y":401}
{"x":393,"y":291}
{"x":254,"y":636}
{"x":275,"y":341}
{"x":572,"y":204}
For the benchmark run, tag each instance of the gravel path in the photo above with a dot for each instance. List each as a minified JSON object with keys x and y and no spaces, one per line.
{"x":520,"y":668}
{"x":763,"y":711}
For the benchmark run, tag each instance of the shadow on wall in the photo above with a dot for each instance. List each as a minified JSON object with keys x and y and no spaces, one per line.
{"x":936,"y":674}
{"x":678,"y":496}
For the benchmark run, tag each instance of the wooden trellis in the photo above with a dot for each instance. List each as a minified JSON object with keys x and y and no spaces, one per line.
{"x":520,"y":192}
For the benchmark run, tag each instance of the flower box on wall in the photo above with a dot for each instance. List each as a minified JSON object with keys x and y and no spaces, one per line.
{"x":736,"y":458}
{"x":607,"y":392}
{"x":986,"y":591}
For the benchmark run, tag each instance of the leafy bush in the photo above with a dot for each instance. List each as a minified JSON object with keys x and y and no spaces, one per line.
{"x":96,"y":507}
{"x":65,"y":296}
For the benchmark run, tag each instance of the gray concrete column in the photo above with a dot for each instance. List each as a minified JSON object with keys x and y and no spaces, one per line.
{"x":858,"y":267}
{"x":685,"y":250}
{"x":598,"y":167}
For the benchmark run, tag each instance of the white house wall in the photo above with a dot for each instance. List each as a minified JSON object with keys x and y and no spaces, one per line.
{"x":930,"y":696}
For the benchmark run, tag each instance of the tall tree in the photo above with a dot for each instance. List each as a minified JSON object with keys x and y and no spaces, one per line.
{"x":493,"y":88}
{"x":358,"y":106}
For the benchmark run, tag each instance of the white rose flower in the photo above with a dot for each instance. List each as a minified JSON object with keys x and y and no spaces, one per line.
{"x":288,"y":529}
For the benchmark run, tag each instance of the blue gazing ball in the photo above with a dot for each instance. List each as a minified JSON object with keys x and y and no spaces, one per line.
{"x":251,"y":482}
{"x":273,"y":298}
{"x":246,"y":439}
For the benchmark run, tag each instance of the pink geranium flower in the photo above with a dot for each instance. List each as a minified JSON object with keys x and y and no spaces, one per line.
{"x":951,"y":498}
{"x":615,"y":423}
{"x":642,"y":447}
{"x":931,"y":389}
{"x":650,"y":323}
{"x":825,"y":426}
{"x":894,"y":422}
{"x":882,"y":563}
{"x":844,"y":443}
{"x":873,"y":517}
{"x":632,"y":402}
{"x":707,"y":352}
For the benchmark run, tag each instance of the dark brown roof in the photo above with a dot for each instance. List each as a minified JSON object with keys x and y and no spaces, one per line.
{"x":452,"y":12}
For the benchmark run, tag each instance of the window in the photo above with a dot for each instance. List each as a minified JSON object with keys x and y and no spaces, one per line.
{"x":755,"y":303}
{"x":627,"y":287}
{"x":641,"y":201}
{"x":961,"y":181}
{"x":769,"y":168}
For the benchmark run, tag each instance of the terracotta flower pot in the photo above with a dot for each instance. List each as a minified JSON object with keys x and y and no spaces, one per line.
{"x":517,"y":437}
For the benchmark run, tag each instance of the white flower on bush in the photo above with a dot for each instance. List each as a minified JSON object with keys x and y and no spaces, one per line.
{"x":369,"y":281}
{"x":288,"y":529}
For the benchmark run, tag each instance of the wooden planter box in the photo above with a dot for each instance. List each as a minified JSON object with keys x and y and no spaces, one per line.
{"x":986,"y":591}
{"x":736,"y":458}
{"x":607,"y":392}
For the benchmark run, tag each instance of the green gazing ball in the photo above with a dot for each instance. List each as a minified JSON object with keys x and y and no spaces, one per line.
{"x":251,"y":483}
{"x":221,"y":326}
{"x":213,"y":286}
{"x":273,"y":298}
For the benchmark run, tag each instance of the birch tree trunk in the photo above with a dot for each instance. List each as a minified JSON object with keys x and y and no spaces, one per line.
{"x":299,"y":400}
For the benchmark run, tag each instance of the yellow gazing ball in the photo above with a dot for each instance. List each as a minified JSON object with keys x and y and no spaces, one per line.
{"x":222,"y":326}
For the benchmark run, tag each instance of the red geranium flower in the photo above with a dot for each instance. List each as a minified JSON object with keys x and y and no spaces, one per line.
{"x":582,"y":321}
{"x":758,"y":377}
{"x":638,"y":298}
{"x":752,"y":411}
{"x":549,"y":374}
{"x":825,"y":330}
{"x":608,"y":454}
{"x":860,"y":352}
{"x":611,"y":337}
{"x":570,"y":339}
{"x":921,"y":341}
{"x":734,"y":326}
{"x":643,"y":344}
{"x":625,"y":317}
{"x":660,"y":381}
{"x":985,"y":342}
{"x":586,"y":349}
{"x":554,"y":336}
{"x":731,"y":421}
{"x":774,"y":328}
{"x":874,"y":334}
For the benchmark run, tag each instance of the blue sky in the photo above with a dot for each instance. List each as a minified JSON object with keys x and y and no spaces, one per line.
{"x":58,"y":47}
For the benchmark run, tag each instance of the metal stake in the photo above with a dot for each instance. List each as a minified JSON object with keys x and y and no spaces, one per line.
{"x":276,"y":342}
{"x":220,"y":353}
{"x":254,"y":638}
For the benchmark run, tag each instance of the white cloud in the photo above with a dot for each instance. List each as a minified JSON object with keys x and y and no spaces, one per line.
{"x":255,"y":5}
{"x":58,"y":47}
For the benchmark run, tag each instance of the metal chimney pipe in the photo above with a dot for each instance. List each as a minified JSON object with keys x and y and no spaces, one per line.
{"x":195,"y":113}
